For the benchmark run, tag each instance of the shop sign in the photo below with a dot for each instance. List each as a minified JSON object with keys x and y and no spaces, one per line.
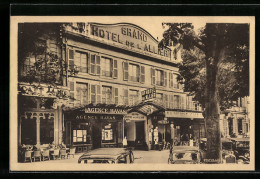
{"x":163,"y":122}
{"x":105,"y":111}
{"x":93,"y":117}
{"x":126,"y":35}
{"x":180,"y":114}
{"x":134,"y":116}
{"x":148,"y":94}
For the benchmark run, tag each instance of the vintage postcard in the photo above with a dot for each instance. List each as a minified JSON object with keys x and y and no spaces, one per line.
{"x":132,"y":93}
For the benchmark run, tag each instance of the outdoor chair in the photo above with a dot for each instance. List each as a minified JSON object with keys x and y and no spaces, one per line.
{"x":55,"y":154}
{"x":37,"y":154}
{"x":72,"y":152}
{"x":63,"y":153}
{"x":27,"y":155}
{"x":46,"y":154}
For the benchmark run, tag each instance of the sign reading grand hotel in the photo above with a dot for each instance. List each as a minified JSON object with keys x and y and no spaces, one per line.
{"x":129,"y":35}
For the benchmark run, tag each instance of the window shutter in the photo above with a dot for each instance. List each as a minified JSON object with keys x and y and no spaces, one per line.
{"x":93,"y":94}
{"x":72,"y":90}
{"x":165,"y":78}
{"x":170,"y":80}
{"x":116,"y":95}
{"x":142,"y":72}
{"x":115,"y":72}
{"x":92,"y":64}
{"x":125,"y":71}
{"x":183,"y":102}
{"x":166,"y":102}
{"x":171,"y":101}
{"x":152,"y":76}
{"x":97,"y":65}
{"x":98,"y":93}
{"x":126,"y":96}
{"x":71,"y":58}
{"x":85,"y":94}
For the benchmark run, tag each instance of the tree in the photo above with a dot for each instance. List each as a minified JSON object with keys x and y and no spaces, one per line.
{"x":215,"y":60}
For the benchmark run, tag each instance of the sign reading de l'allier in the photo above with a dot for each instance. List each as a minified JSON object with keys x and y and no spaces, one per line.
{"x":129,"y":36}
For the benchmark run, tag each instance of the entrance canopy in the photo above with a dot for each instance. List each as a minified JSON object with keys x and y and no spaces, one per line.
{"x":147,"y":108}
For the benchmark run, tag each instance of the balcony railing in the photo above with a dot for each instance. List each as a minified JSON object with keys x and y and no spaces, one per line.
{"x":159,"y":83}
{"x":133,"y":78}
{"x":106,"y":73}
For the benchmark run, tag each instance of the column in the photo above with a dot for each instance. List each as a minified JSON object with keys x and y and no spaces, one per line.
{"x":60,"y":124}
{"x":38,"y":132}
{"x":172,"y":132}
{"x":20,"y":131}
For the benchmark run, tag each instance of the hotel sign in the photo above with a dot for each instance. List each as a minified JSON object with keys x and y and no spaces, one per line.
{"x":148,"y":94}
{"x":128,"y":35}
{"x":179,"y":114}
{"x":105,"y":111}
{"x":134,"y":116}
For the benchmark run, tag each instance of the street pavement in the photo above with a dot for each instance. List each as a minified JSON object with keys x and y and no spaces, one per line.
{"x":152,"y":156}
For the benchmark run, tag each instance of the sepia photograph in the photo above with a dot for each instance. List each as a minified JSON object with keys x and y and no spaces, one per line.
{"x":132,"y":93}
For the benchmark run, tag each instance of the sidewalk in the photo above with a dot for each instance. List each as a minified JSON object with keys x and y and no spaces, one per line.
{"x":152,"y":156}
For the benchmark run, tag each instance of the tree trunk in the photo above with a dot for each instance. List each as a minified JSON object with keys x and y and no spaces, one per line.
{"x":212,"y":113}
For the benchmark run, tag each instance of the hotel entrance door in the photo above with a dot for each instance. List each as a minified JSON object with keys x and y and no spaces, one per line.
{"x":139,"y":133}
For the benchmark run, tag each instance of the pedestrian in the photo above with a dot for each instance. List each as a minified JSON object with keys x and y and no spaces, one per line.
{"x":125,"y":142}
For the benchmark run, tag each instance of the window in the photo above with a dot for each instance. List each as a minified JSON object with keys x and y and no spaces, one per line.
{"x":81,"y":133}
{"x":159,"y":97}
{"x":176,"y":101}
{"x":106,"y":94}
{"x":106,"y":67}
{"x":159,"y":77}
{"x":46,"y":130}
{"x":133,"y":73}
{"x":133,"y":97}
{"x":81,"y":61}
{"x":28,"y":131}
{"x":82,"y":93}
{"x":109,"y":132}
{"x":175,"y":81}
{"x":94,"y":65}
{"x":125,"y":96}
{"x":79,"y":136}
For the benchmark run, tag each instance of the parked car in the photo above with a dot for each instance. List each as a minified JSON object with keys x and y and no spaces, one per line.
{"x":241,"y":149}
{"x":184,"y":155}
{"x":107,"y":156}
{"x":227,"y":147}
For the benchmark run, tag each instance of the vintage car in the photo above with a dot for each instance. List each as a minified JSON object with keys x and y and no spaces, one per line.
{"x":184,"y":155}
{"x":107,"y":156}
{"x":227,"y":146}
{"x":241,"y":149}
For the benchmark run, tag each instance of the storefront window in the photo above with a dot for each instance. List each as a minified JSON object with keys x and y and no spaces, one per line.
{"x":109,"y":132}
{"x":28,"y":131}
{"x":46,"y":131}
{"x":81,"y":133}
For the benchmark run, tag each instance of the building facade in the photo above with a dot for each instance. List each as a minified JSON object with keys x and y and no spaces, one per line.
{"x":121,"y":85}
{"x":235,"y":121}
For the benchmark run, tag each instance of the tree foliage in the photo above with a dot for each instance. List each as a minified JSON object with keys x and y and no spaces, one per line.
{"x":233,"y":71}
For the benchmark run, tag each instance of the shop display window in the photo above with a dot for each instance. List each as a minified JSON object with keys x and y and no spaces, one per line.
{"x":108,"y":132}
{"x":46,"y":130}
{"x":81,"y":133}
